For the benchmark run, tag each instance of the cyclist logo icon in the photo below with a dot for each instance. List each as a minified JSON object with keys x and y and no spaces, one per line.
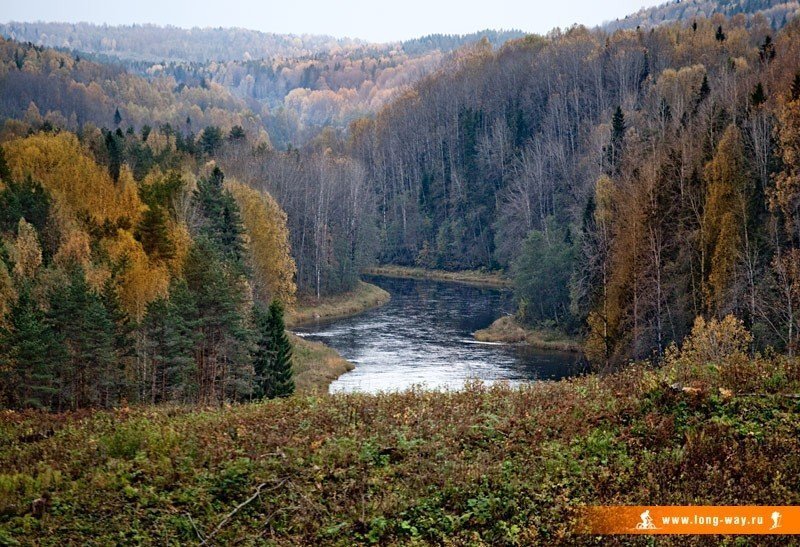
{"x":776,"y":520}
{"x":647,"y":522}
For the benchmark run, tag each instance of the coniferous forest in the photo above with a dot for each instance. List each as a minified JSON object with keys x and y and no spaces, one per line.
{"x":170,"y":200}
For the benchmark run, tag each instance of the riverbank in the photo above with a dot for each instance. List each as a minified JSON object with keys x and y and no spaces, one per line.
{"x":364,"y":297}
{"x":484,"y":465}
{"x":316,"y":365}
{"x":509,"y":331}
{"x":471,"y":277}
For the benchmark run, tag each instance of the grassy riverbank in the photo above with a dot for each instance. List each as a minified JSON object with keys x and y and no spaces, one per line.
{"x":316,"y":365}
{"x":482,"y":466}
{"x":472,"y":277}
{"x":364,"y":297}
{"x":508,"y":330}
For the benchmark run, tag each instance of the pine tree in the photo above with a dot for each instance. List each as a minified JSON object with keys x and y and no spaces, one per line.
{"x":5,"y":170}
{"x":117,"y":117}
{"x":82,"y":325}
{"x":705,"y":90}
{"x":28,"y":200}
{"x":153,"y":233}
{"x":223,"y":349}
{"x":27,"y":355}
{"x":795,"y":89}
{"x":211,"y":140}
{"x":169,"y":344}
{"x":720,"y":35}
{"x":114,"y":146}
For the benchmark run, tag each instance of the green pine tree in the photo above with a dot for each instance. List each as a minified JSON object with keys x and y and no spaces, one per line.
{"x":168,"y":330}
{"x":28,"y":200}
{"x":27,"y":355}
{"x":86,"y":371}
{"x":115,"y":147}
{"x":153,"y":233}
{"x":218,"y":288}
{"x":758,"y":97}
{"x":5,"y":170}
{"x":614,"y":150}
{"x":795,"y":89}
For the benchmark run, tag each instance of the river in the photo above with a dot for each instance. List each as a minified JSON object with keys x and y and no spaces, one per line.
{"x":423,"y":337}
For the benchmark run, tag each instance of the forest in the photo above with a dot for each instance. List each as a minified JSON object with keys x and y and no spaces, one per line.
{"x":628,"y":182}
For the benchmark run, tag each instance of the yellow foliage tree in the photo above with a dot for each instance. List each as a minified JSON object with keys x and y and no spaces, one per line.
{"x":26,"y":251}
{"x":270,"y":253}
{"x":725,"y":216}
{"x":140,"y":280}
{"x":70,"y":174}
{"x":7,"y":293}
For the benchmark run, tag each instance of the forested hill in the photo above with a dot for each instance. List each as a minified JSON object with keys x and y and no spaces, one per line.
{"x":776,"y":12}
{"x":153,"y":43}
{"x":299,"y":83}
{"x":624,"y":178}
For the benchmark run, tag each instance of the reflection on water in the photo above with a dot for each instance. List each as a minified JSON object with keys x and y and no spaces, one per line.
{"x":423,"y":336}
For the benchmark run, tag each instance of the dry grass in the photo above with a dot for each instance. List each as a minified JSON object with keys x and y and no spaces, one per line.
{"x":316,"y":365}
{"x":469,"y":277}
{"x":364,"y":297}
{"x":508,"y":330}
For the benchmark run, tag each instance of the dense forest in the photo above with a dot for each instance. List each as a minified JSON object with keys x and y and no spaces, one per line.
{"x":627,"y":181}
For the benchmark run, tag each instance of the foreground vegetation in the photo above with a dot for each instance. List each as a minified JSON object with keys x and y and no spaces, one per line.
{"x":486,"y":465}
{"x":508,"y":330}
{"x":471,"y":277}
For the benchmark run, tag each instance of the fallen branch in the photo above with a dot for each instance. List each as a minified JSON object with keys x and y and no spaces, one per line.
{"x":196,"y":531}
{"x":230,"y":515}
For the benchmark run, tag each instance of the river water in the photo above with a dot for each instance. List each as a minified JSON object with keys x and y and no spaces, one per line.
{"x":423,"y":337}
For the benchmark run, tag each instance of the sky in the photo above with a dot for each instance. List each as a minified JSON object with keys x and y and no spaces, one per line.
{"x":375,"y":21}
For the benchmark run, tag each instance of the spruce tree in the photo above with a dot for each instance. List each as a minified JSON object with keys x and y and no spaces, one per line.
{"x":117,"y":117}
{"x":758,"y":97}
{"x":114,"y":146}
{"x":795,"y":90}
{"x":280,"y":350}
{"x":5,"y":170}
{"x":705,"y":90}
{"x":222,"y":221}
{"x":28,"y":200}
{"x":614,"y":150}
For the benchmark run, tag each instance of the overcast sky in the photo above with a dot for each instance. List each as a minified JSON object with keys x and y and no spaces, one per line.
{"x":373,"y":20}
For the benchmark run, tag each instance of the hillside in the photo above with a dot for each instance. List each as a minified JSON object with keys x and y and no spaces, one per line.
{"x":776,"y":12}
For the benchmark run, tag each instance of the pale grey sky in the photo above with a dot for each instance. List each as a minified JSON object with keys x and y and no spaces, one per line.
{"x":376,"y":20}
